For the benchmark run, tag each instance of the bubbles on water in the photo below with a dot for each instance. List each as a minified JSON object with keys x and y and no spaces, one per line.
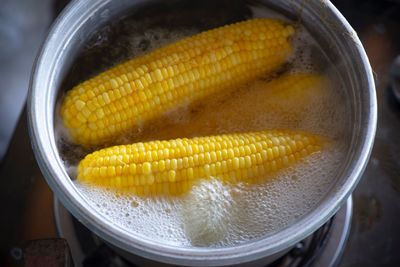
{"x":207,"y":211}
{"x":149,"y":218}
{"x":153,"y":37}
{"x":134,"y":204}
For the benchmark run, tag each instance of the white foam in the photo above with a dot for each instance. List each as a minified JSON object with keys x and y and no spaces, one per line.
{"x":207,"y":211}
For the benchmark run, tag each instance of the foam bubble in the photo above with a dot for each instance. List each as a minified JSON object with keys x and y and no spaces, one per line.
{"x":207,"y":211}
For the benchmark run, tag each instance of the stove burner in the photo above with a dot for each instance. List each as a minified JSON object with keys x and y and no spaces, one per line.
{"x":306,"y":251}
{"x":323,"y":248}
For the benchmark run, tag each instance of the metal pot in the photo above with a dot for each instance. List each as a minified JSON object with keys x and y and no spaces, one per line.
{"x":68,"y":35}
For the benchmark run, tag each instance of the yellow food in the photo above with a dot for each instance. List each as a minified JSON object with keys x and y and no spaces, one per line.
{"x":171,"y":167}
{"x":116,"y":101}
{"x":282,"y":102}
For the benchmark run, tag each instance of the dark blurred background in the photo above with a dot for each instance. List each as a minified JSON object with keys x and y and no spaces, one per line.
{"x":26,"y":200}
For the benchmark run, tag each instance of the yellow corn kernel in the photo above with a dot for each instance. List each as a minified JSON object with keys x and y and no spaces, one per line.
{"x":190,"y":69}
{"x":254,"y":160}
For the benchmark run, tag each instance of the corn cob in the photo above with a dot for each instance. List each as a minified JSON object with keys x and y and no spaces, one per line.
{"x":171,"y":167}
{"x":116,"y":101}
{"x":282,"y":102}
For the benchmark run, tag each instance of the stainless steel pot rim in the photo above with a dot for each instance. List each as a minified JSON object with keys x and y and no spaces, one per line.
{"x":42,"y":132}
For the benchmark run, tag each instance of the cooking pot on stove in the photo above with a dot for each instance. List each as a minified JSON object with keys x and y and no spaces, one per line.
{"x":74,"y":27}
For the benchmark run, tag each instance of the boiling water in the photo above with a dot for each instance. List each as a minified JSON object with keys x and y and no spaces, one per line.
{"x":213,"y":213}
